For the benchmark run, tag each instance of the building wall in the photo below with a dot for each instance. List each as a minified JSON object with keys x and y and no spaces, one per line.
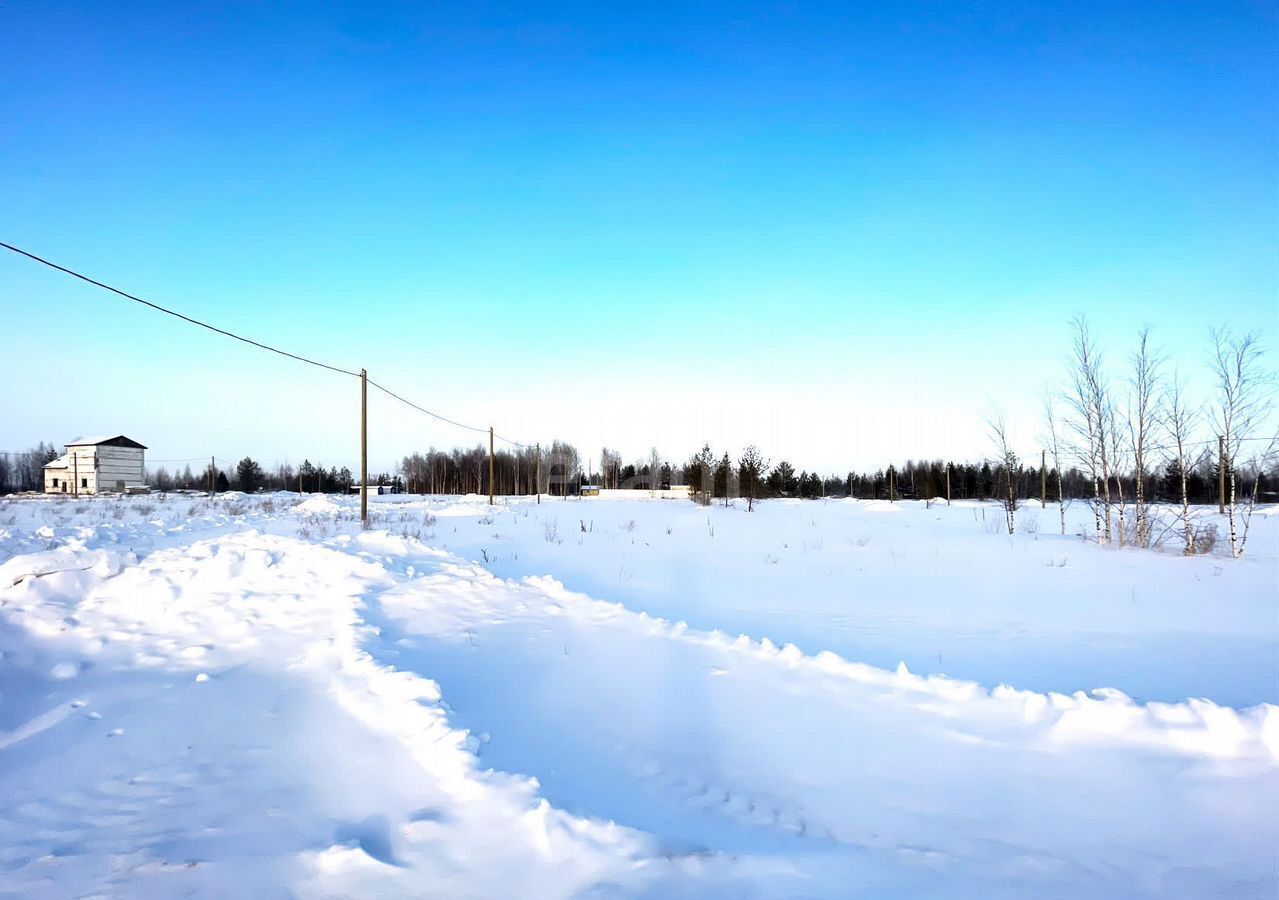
{"x":675,"y":492}
{"x":94,"y":469}
{"x":81,"y":459}
{"x":114,"y":468}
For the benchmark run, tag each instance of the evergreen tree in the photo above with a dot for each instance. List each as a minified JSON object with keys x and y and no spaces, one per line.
{"x":724,"y":477}
{"x":782,"y":481}
{"x":810,"y":485}
{"x":248,"y":474}
{"x":699,"y":474}
{"x":750,"y":470}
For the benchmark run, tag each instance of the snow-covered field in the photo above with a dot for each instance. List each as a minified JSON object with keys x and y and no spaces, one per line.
{"x":588,"y":698}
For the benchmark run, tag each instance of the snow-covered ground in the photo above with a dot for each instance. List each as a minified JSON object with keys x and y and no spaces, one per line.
{"x":588,"y":698}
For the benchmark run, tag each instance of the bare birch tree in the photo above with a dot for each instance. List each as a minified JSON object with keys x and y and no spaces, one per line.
{"x":1115,"y":463}
{"x":1088,"y":403}
{"x":1143,"y":416}
{"x":1008,"y":468}
{"x":1054,"y":449}
{"x":1179,"y":423}
{"x":654,"y":462}
{"x":1243,"y":403}
{"x":1256,"y":466}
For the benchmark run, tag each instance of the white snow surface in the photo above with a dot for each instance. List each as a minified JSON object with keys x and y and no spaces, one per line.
{"x":249,"y":696}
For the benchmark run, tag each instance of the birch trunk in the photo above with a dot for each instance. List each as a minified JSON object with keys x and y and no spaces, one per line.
{"x":1185,"y":511}
{"x":1061,"y":503}
{"x":1235,"y":549}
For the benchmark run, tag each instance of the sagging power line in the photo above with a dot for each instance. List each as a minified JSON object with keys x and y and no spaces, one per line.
{"x":365,"y":381}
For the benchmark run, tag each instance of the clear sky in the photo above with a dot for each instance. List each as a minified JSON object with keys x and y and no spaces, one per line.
{"x":840,"y":231}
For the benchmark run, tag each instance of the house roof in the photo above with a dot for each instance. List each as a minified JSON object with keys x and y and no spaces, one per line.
{"x":62,"y":462}
{"x":118,"y":440}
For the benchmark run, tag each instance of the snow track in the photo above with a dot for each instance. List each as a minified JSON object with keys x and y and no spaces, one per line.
{"x":279,"y":703}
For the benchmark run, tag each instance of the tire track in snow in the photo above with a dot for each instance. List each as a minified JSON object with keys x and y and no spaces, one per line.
{"x":735,"y":746}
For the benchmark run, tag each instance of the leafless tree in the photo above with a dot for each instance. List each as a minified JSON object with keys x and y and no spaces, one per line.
{"x":1179,"y":424}
{"x":1116,"y":462}
{"x":1089,"y":404}
{"x":1256,"y":467}
{"x":654,"y":463}
{"x":1054,"y":448}
{"x":1244,"y":401}
{"x":1143,"y":417}
{"x":611,"y":467}
{"x":1008,"y":469}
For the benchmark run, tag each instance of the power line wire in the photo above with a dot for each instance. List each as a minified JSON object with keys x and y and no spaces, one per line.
{"x":245,"y":340}
{"x":435,"y":415}
{"x":423,"y":409}
{"x":511,"y":442}
{"x":175,"y":314}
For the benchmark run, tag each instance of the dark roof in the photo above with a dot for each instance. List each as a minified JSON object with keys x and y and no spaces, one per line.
{"x":118,"y":441}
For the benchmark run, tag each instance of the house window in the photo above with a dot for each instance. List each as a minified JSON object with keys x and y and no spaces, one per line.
{"x":84,"y":482}
{"x":55,"y":482}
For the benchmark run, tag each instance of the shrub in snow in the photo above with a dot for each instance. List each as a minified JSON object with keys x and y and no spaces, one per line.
{"x":1206,"y":538}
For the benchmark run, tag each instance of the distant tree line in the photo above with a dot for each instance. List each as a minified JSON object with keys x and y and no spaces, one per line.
{"x":515,"y":471}
{"x":249,"y":476}
{"x":24,"y":470}
{"x":711,"y":476}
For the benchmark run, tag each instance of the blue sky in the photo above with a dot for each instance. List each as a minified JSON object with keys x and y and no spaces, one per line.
{"x":841,"y":231}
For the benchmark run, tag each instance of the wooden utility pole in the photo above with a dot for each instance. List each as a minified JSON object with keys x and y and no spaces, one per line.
{"x":948,"y":468}
{"x":364,"y":448}
{"x":1221,"y":474}
{"x":75,"y":468}
{"x":1043,"y":479}
{"x":892,"y":482}
{"x":212,"y":469}
{"x":537,"y":476}
{"x":490,"y":465}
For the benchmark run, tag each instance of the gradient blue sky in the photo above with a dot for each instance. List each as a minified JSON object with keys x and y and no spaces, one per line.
{"x":645,"y":225}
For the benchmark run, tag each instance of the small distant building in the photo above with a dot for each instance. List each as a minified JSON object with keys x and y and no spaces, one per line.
{"x":374,"y":489}
{"x":97,"y":465}
{"x":674,"y":492}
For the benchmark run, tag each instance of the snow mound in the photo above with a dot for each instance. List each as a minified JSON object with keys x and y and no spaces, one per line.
{"x":318,"y":504}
